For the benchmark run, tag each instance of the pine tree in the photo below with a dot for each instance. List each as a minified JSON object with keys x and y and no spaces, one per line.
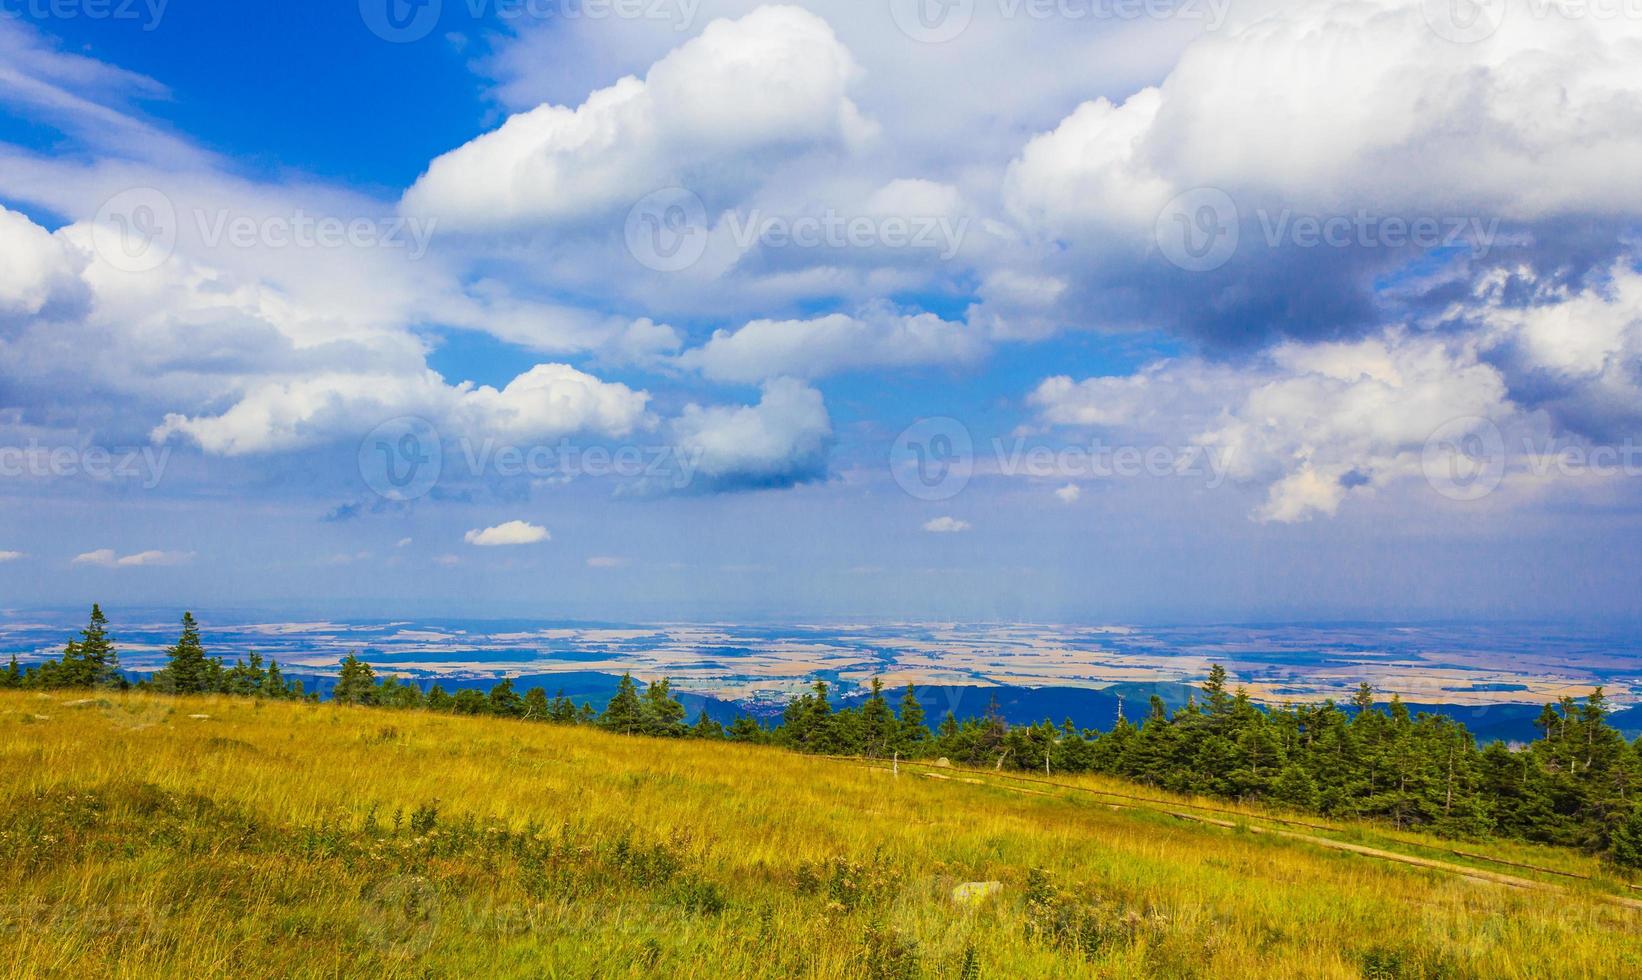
{"x":878,"y":725}
{"x":744,"y":729}
{"x":914,"y":734}
{"x":470,"y":702}
{"x":503,"y":700}
{"x":12,"y":676}
{"x":623,"y":713}
{"x":102,"y":662}
{"x":187,"y":669}
{"x":1219,"y":701}
{"x":660,"y":714}
{"x":355,"y":682}
{"x":536,"y":706}
{"x":1625,"y":846}
{"x":706,"y":727}
{"x":563,"y":711}
{"x":1295,"y":787}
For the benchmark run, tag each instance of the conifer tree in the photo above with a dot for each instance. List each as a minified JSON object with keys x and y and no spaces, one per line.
{"x":706,"y":727}
{"x":660,"y":714}
{"x":503,"y":700}
{"x":1625,"y":847}
{"x":563,"y":711}
{"x":878,"y":725}
{"x":623,"y":713}
{"x":1216,"y":697}
{"x":914,"y":734}
{"x":188,"y":670}
{"x":536,"y":706}
{"x":744,"y":729}
{"x":355,"y":682}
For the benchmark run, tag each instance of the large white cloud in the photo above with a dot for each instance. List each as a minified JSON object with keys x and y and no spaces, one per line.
{"x":1334,"y":106}
{"x":35,"y":266}
{"x":826,"y":345}
{"x":774,"y":82}
{"x":1575,"y":351}
{"x":1311,"y":423}
{"x":781,"y":441}
{"x":1355,"y":114}
{"x":549,"y":401}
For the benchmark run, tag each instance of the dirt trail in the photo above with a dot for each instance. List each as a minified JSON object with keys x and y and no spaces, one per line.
{"x":1174,"y":810}
{"x":1459,"y":869}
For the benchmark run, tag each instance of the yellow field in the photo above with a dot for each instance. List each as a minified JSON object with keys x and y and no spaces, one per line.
{"x":144,"y":836}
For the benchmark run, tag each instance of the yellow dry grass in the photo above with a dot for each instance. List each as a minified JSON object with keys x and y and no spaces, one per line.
{"x":146,"y":836}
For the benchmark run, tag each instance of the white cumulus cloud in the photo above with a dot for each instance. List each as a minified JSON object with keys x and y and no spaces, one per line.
{"x":510,"y":533}
{"x":771,"y":83}
{"x":108,"y":558}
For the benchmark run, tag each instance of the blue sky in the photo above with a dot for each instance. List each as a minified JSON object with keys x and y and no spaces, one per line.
{"x":1286,"y":312}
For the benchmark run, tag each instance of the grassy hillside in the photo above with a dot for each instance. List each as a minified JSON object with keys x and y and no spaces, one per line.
{"x":144,"y":836}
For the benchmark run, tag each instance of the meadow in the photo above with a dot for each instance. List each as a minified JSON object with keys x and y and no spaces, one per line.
{"x":145,"y":835}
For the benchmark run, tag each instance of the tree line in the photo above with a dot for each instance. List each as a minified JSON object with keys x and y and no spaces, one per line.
{"x":1576,"y":785}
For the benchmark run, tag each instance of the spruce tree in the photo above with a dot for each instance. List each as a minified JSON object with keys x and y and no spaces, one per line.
{"x":536,"y":707}
{"x":355,"y":682}
{"x":706,"y":727}
{"x":623,"y":713}
{"x":101,"y":664}
{"x":187,"y":669}
{"x":744,"y":729}
{"x":878,"y":725}
{"x":563,"y":710}
{"x":505,"y":701}
{"x":914,"y":734}
{"x":1625,"y":845}
{"x":661,"y":714}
